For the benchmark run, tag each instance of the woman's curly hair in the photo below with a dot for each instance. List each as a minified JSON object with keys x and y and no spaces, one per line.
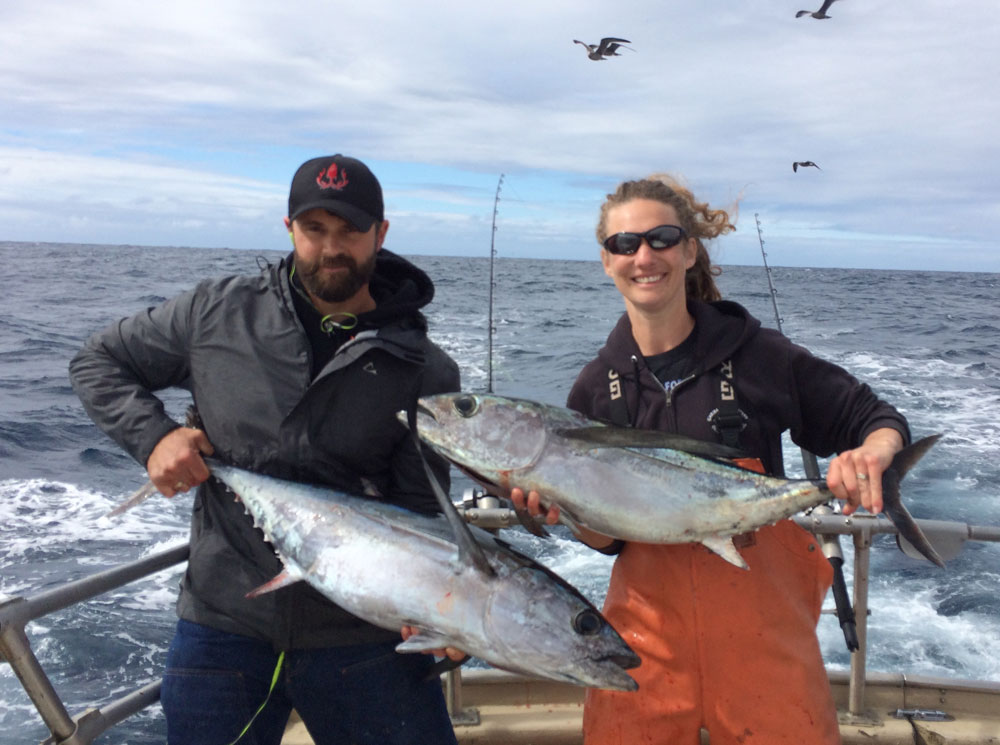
{"x":698,"y":220}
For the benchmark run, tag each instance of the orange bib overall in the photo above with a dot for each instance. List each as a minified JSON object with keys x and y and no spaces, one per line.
{"x":730,"y":650}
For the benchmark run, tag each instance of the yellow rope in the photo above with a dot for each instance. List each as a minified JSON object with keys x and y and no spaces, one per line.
{"x":274,"y":682}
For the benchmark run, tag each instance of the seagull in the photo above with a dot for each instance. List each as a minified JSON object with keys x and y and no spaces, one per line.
{"x":805,"y":163}
{"x":821,"y":13}
{"x":607,"y":48}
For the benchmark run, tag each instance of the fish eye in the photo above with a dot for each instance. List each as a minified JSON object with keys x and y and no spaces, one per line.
{"x":588,"y":622}
{"x":466,"y":405}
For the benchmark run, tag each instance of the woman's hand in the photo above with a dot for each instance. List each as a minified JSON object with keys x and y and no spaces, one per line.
{"x":856,"y":475}
{"x":532,"y":502}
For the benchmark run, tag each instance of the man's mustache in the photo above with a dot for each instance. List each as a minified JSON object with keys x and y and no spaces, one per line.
{"x":331,"y":262}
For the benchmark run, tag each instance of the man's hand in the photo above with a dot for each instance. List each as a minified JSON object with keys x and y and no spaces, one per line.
{"x":176,"y":464}
{"x":450,"y":652}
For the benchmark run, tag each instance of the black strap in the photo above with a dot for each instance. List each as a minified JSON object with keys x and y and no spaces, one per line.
{"x":728,"y":420}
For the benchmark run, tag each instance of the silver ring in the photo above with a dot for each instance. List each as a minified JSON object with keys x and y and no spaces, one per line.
{"x":862,"y":476}
{"x":180,"y":486}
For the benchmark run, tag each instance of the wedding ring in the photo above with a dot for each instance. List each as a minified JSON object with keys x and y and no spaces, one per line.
{"x":862,"y":476}
{"x":180,"y":486}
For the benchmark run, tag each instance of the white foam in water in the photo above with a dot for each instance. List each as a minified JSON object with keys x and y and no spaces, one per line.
{"x":162,"y":596}
{"x":42,"y":513}
{"x":904,"y":629}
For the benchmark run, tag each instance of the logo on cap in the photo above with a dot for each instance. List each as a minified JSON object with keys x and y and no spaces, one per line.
{"x":328,"y":178}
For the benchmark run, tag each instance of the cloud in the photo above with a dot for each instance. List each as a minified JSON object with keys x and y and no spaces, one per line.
{"x":221,"y":101}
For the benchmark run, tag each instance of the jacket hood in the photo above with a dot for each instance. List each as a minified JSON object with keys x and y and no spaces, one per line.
{"x":721,"y":328}
{"x":399,"y":285}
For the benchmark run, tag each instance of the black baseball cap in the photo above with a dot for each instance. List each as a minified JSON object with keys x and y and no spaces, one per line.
{"x":341,"y":185}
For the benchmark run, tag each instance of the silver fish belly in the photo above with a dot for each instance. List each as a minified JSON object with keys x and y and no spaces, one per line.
{"x":392,"y":567}
{"x":643,"y":493}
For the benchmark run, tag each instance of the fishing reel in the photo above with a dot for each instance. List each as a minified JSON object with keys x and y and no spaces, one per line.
{"x":484,"y":510}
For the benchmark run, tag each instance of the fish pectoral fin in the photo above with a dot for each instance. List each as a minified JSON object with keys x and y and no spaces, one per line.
{"x":724,"y":547}
{"x":570,"y":520}
{"x":284,"y":579}
{"x":469,"y":551}
{"x":425,"y":641}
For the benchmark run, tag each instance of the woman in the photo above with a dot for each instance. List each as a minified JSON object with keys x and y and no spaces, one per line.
{"x":724,"y":649}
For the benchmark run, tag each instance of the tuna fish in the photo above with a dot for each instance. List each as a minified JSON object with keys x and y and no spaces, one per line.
{"x":630,"y":484}
{"x":392,"y":567}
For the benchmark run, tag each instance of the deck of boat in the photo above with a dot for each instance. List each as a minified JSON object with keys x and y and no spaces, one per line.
{"x":499,"y":708}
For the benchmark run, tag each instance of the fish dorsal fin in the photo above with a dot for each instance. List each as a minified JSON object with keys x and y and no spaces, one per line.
{"x":629,"y":437}
{"x":469,"y":552}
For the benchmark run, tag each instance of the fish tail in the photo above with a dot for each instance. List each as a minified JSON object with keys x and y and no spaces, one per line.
{"x":139,"y":496}
{"x":893,"y":503}
{"x":907,"y":457}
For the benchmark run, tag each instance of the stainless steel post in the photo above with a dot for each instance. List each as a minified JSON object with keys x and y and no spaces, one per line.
{"x":862,"y":560}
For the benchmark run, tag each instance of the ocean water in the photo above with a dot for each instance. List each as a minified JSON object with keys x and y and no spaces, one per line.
{"x":927,"y":341}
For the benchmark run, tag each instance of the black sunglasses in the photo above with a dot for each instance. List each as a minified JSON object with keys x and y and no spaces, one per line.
{"x":658,"y":238}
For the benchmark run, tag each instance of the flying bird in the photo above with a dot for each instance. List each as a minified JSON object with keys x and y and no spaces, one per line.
{"x":607,"y":48}
{"x":804,"y":163}
{"x":821,"y":13}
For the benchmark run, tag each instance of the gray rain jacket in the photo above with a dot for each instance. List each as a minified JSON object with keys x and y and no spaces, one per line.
{"x":239,"y":347}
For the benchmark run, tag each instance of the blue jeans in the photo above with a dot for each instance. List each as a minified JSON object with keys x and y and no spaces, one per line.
{"x":358,"y":694}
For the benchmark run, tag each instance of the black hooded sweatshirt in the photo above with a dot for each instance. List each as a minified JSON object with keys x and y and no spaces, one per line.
{"x":778,"y":386}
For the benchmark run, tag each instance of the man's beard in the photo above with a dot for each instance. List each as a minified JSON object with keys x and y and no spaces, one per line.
{"x":338,"y":287}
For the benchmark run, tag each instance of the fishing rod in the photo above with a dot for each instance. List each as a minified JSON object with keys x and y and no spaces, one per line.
{"x":830,"y":543}
{"x":493,"y":255}
{"x":476,"y":502}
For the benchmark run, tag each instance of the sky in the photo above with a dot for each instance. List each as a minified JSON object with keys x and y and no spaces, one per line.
{"x":181,"y":123}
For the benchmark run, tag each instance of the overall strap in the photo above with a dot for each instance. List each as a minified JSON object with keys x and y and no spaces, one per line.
{"x":727,"y":419}
{"x":619,"y":407}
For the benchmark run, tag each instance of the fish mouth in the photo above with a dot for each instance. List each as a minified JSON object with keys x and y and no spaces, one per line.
{"x":624,"y":660}
{"x":601,"y":676}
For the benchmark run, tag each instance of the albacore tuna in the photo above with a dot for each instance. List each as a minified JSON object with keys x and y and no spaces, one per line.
{"x":392,"y":567}
{"x":626,"y":483}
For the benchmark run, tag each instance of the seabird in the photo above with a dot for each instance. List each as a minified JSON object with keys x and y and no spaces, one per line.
{"x":804,"y":163}
{"x":821,"y":13}
{"x":607,"y":48}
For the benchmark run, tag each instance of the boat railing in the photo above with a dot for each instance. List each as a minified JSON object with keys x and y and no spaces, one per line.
{"x":15,"y":649}
{"x":487,"y":512}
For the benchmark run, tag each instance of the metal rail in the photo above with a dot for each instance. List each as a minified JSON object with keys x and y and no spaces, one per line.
{"x":947,"y":538}
{"x":16,"y":612}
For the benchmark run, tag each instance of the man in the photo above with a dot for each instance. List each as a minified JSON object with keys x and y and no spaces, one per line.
{"x":298,"y":373}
